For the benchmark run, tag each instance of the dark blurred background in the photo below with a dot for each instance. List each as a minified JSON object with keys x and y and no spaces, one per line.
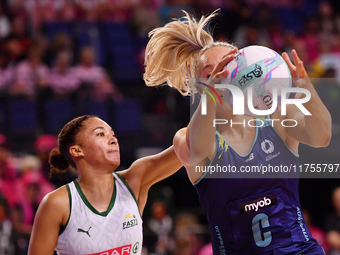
{"x":63,"y":58}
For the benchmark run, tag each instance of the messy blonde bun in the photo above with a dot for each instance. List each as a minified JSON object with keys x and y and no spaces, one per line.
{"x":172,"y":52}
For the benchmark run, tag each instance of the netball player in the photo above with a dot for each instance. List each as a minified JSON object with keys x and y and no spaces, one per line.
{"x":246,"y":216}
{"x":100,"y":212}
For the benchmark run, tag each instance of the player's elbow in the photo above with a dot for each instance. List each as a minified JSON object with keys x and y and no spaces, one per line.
{"x":322,"y":141}
{"x":327,"y":140}
{"x":327,"y":132}
{"x":180,"y":147}
{"x":200,"y":151}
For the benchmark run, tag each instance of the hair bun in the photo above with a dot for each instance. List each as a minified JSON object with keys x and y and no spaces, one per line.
{"x":58,"y":162}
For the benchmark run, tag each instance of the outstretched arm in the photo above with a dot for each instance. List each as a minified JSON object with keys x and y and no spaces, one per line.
{"x":158,"y":167}
{"x":315,"y":129}
{"x":149,"y":170}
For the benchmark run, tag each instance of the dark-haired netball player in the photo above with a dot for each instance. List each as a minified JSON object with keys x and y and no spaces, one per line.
{"x":99,"y":212}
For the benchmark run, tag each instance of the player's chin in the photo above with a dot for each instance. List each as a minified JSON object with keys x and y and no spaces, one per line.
{"x":114,"y":160}
{"x":115,"y":164}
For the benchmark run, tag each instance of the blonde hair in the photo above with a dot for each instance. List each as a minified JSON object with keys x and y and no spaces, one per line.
{"x":172,"y":52}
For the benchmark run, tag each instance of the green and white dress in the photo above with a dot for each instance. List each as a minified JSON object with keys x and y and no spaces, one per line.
{"x":118,"y":231}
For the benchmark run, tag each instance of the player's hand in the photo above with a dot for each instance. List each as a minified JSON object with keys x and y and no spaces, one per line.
{"x":217,"y":73}
{"x":298,"y":72}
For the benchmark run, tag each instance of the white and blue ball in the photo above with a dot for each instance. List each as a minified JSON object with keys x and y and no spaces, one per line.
{"x":260,"y":69}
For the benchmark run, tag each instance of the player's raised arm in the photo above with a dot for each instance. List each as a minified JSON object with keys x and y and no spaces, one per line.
{"x":202,"y":128}
{"x":146,"y":171}
{"x":315,"y":129}
{"x":157,"y":167}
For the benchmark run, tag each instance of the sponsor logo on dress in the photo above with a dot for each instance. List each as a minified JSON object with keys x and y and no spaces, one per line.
{"x":251,"y":157}
{"x":267,"y":146}
{"x":130,"y":220}
{"x":84,"y":231}
{"x":258,"y":204}
{"x":135,"y":248}
{"x":122,"y":250}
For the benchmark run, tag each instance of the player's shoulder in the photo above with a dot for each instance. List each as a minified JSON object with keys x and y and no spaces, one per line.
{"x":58,"y":198}
{"x":54,"y":208}
{"x":130,"y":175}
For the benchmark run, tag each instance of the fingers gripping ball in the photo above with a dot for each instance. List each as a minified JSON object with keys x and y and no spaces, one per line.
{"x":260,"y":69}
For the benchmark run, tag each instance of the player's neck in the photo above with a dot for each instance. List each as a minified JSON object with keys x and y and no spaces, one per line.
{"x":96,"y":182}
{"x":96,"y":177}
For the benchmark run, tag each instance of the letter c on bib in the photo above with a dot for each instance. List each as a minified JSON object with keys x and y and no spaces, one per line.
{"x":263,"y":218}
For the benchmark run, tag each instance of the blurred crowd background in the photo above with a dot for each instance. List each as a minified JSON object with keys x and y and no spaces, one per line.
{"x":64,"y":58}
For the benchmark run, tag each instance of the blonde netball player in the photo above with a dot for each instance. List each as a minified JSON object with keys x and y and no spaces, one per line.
{"x":100,"y":212}
{"x":246,"y":215}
